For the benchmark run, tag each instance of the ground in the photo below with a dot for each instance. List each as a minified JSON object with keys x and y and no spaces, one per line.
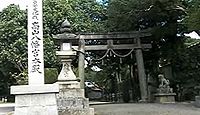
{"x":6,"y":108}
{"x":132,"y":109}
{"x":146,"y":109}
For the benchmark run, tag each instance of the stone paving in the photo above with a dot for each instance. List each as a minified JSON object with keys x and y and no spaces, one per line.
{"x":146,"y":109}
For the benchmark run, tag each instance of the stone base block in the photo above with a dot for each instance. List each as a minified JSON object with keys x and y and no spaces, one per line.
{"x":36,"y":110}
{"x":74,"y":106}
{"x":89,"y":111}
{"x":72,"y":103}
{"x":68,"y":84}
{"x":165,"y":98}
{"x":35,"y":100}
{"x":71,"y":100}
{"x":74,"y":92}
{"x":197,"y":101}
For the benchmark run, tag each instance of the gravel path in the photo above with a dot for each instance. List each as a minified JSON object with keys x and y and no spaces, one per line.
{"x":146,"y":109}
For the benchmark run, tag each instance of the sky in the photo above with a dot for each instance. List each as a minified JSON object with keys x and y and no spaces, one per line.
{"x":23,"y":4}
{"x":193,"y":35}
{"x":5,"y":3}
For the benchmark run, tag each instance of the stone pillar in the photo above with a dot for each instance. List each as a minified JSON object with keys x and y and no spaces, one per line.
{"x":141,"y":71}
{"x":36,"y":98}
{"x":81,"y":63}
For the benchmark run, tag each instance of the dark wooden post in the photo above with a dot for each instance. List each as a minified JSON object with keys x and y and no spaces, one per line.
{"x":141,"y":71}
{"x":81,"y":63}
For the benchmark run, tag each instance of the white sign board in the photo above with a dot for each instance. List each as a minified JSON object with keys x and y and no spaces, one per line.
{"x":66,"y":46}
{"x":35,"y":43}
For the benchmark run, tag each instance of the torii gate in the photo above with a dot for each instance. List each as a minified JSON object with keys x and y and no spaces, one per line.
{"x":137,"y":46}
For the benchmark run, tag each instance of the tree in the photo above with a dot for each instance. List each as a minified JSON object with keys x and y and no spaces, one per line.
{"x":163,"y":16}
{"x":193,"y":12}
{"x":185,"y":67}
{"x":13,"y":36}
{"x":84,"y":16}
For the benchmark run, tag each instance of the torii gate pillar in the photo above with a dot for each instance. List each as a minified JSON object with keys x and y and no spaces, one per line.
{"x":141,"y":72}
{"x":81,"y":63}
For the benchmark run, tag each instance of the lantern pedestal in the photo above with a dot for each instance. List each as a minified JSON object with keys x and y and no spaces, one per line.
{"x":71,"y":100}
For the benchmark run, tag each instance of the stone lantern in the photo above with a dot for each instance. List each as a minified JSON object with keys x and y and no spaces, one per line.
{"x":71,"y":99}
{"x":66,"y":55}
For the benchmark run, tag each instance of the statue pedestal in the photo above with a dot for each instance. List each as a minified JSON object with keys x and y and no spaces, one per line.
{"x":71,"y":100}
{"x":35,"y":99}
{"x":165,"y":97}
{"x":197,"y":101}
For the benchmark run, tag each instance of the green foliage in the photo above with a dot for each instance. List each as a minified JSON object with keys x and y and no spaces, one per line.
{"x":84,"y":15}
{"x":51,"y":75}
{"x":125,"y":91}
{"x":163,"y":16}
{"x":13,"y":34}
{"x":126,"y":15}
{"x":54,"y":12}
{"x":186,"y":69}
{"x":193,"y":13}
{"x":87,"y":16}
{"x":21,"y":78}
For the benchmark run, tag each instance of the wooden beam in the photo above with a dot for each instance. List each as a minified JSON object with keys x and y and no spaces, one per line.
{"x":115,"y":35}
{"x":112,"y":36}
{"x":103,"y":36}
{"x":116,"y":47}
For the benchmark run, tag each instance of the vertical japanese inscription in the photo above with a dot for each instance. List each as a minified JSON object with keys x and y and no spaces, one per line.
{"x":35,"y":43}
